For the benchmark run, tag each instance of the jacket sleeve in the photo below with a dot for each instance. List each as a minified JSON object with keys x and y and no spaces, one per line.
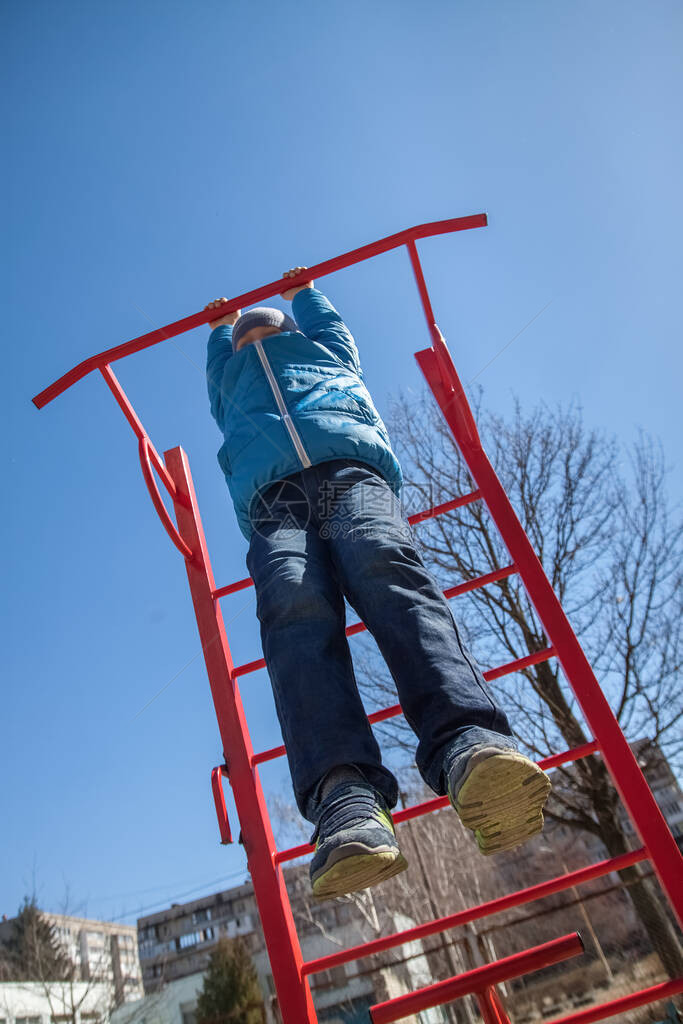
{"x":319,"y":320}
{"x":218,"y":353}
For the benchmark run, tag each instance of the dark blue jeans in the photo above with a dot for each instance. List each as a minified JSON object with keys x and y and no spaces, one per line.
{"x":337,"y":530}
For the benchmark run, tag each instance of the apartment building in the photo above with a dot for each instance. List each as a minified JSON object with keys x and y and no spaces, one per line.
{"x":32,"y":1002}
{"x":103,"y":952}
{"x":176,"y":944}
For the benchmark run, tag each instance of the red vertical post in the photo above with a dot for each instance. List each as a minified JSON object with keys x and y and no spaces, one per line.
{"x":293,"y":989}
{"x":487,"y":1015}
{"x":438,"y":368}
{"x":494,"y":1000}
{"x":489,"y":1009}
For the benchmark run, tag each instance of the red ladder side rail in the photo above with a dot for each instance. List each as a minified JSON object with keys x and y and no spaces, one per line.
{"x":282,"y":941}
{"x":442,"y":377}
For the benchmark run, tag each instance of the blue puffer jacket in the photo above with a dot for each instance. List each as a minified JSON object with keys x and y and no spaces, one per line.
{"x":293,"y":400}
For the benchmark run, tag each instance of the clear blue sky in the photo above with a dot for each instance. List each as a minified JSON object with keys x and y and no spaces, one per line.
{"x":163,"y":154}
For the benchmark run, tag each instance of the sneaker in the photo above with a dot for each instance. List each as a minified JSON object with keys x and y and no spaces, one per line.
{"x":355,"y":842}
{"x":500,"y":798}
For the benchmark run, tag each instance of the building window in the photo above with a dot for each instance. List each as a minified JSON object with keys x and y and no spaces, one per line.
{"x":192,"y":938}
{"x":338,"y":976}
{"x":27,"y":1020}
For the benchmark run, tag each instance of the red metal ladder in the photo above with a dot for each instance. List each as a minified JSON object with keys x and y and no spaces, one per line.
{"x":290,"y":971}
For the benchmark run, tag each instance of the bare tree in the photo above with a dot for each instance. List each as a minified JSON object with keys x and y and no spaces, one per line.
{"x":601,"y":524}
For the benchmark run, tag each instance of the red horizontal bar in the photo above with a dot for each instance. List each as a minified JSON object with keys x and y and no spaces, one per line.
{"x":460,"y":588}
{"x":480,"y":581}
{"x":430,"y":513}
{"x":232,"y":587}
{"x":578,"y":752}
{"x":494,"y":673}
{"x":509,"y":967}
{"x":417,"y":810}
{"x":512,"y":899}
{"x":249,"y":666}
{"x":438,"y":802}
{"x":630,"y":1002}
{"x":268,"y":755}
{"x":520,"y":663}
{"x":447,"y":506}
{"x":395,"y":709}
{"x":440,"y":227}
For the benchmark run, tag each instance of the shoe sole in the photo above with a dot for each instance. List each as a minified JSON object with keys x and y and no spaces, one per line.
{"x":501,"y":801}
{"x":356,"y":872}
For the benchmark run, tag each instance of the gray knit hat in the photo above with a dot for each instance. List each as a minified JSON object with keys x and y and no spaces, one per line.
{"x":261,"y":316}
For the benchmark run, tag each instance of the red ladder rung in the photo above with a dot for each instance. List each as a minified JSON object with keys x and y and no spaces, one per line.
{"x":493,"y":673}
{"x":642,"y":997}
{"x":417,"y":517}
{"x":512,"y":899}
{"x":480,"y":978}
{"x":446,"y":506}
{"x":395,"y":709}
{"x":438,"y":802}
